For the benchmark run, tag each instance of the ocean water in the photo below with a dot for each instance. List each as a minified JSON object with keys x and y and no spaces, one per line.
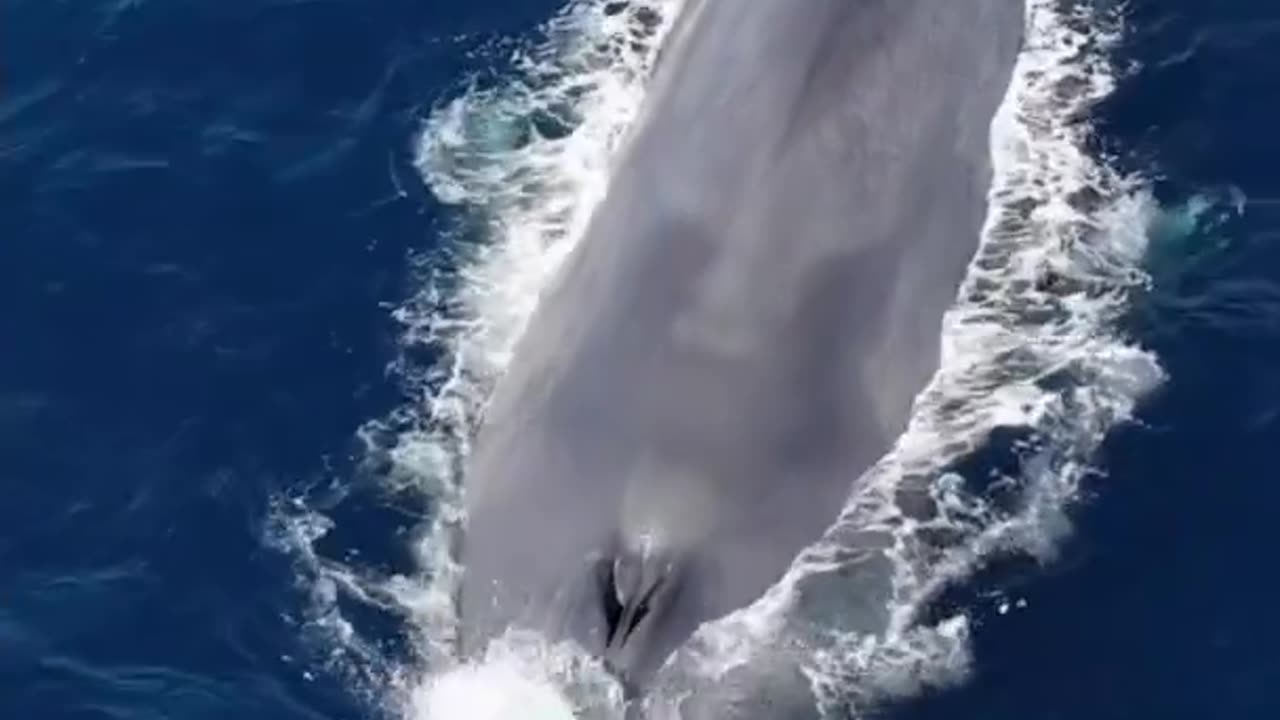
{"x":260,"y":261}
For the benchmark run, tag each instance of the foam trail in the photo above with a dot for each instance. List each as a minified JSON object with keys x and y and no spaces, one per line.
{"x":526,"y":161}
{"x":1032,"y":343}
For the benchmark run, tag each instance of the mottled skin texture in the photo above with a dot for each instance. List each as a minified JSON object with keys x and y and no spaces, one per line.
{"x":742,"y":331}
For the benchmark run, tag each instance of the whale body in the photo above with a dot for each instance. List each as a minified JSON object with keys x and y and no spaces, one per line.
{"x":743,"y":328}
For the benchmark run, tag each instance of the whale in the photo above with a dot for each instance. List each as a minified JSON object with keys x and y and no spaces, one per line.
{"x":744,"y":325}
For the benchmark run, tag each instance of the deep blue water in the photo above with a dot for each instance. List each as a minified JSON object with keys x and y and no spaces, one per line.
{"x":206,"y":209}
{"x":199,"y":224}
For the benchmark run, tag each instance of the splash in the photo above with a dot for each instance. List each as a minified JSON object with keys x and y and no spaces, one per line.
{"x":493,"y":691}
{"x":521,"y":676}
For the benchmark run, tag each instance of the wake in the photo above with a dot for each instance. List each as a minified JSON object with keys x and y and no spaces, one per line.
{"x":1032,"y":346}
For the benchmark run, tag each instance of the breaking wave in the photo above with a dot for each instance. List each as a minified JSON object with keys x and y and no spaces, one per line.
{"x":1035,"y":371}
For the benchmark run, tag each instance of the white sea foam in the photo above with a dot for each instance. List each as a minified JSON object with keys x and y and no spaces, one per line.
{"x":1032,"y":343}
{"x":520,"y":676}
{"x":524,"y":159}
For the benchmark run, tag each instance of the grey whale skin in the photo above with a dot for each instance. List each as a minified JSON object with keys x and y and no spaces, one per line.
{"x":745,"y":324}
